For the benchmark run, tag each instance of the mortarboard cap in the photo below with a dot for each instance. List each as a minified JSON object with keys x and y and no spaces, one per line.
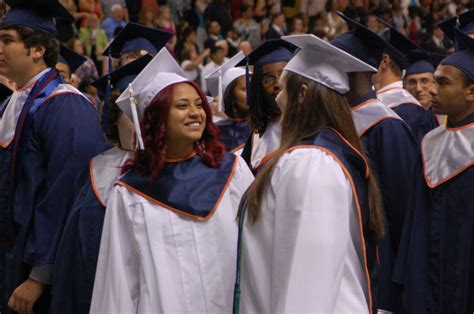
{"x":423,"y":62}
{"x":161,"y":72}
{"x":124,"y":75}
{"x":135,"y":37}
{"x":331,"y":65}
{"x":226,"y":73}
{"x":271,"y":51}
{"x":36,"y":14}
{"x":360,"y":42}
{"x":70,"y":58}
{"x":463,"y":21}
{"x":464,"y":59}
{"x":399,"y":47}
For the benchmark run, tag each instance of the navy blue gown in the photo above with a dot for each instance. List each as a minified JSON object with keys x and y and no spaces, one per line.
{"x":234,"y":133}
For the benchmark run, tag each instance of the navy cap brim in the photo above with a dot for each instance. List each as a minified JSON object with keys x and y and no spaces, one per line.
{"x":36,"y":14}
{"x":271,"y":51}
{"x":121,"y":77}
{"x":70,"y":58}
{"x":463,"y":59}
{"x":135,"y":37}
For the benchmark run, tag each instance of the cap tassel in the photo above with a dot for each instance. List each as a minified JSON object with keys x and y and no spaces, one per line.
{"x":247,"y":82}
{"x":108,"y":91}
{"x":136,"y":121}
{"x":220,"y":93}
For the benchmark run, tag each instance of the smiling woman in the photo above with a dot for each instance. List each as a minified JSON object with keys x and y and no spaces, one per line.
{"x":170,"y":229}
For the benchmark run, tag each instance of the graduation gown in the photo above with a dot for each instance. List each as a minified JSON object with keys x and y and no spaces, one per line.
{"x":51,"y":133}
{"x":258,"y":147}
{"x":436,"y":262}
{"x":76,"y":261}
{"x":234,"y":134}
{"x":169,"y":245}
{"x":311,"y":250}
{"x":392,"y":151}
{"x":397,"y":98}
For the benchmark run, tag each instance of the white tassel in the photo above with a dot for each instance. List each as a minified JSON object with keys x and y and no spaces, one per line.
{"x":136,"y":121}
{"x":220,"y":93}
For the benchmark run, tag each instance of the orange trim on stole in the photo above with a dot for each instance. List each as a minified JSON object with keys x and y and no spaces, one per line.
{"x":361,"y":229}
{"x":460,"y":127}
{"x":7,"y":144}
{"x":237,"y":148}
{"x":94,"y":188}
{"x":180,"y":212}
{"x":363,"y":104}
{"x":370,"y":126}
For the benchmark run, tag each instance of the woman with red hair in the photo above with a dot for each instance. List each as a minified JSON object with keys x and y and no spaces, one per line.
{"x":169,"y":235}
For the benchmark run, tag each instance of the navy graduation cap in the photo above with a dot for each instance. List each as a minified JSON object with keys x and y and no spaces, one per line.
{"x":400,"y":46}
{"x":70,"y":58}
{"x":36,"y":14}
{"x":121,"y":77}
{"x":463,"y":21}
{"x":135,"y":37}
{"x":271,"y":51}
{"x":423,"y":62}
{"x":464,"y":59}
{"x":361,"y":42}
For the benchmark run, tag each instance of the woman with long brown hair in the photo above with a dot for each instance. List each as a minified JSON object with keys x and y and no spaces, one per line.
{"x":312,"y":216}
{"x":169,"y":230}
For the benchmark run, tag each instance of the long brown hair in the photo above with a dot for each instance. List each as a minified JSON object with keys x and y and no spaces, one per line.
{"x":322,"y":107}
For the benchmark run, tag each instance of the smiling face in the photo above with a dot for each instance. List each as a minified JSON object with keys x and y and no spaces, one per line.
{"x":419,"y":85}
{"x":187,"y":118}
{"x":452,"y":94}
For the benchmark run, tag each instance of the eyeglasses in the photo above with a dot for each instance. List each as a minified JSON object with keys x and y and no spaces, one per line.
{"x":423,"y":82}
{"x":271,"y":78}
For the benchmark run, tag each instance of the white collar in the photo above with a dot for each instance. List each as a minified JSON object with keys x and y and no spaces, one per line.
{"x":397,"y":84}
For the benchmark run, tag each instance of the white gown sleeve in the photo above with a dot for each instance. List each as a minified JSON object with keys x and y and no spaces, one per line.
{"x":312,"y":234}
{"x":116,"y":285}
{"x":242,"y":179}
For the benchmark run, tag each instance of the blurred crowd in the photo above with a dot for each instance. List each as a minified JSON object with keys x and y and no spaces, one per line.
{"x":208,"y":32}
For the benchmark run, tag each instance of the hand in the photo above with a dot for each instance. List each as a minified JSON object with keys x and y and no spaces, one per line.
{"x":25,"y":296}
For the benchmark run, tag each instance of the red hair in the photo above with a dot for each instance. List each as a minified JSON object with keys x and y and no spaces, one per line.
{"x":154,"y":126}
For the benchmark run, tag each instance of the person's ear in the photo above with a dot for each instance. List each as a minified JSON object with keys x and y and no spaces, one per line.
{"x":302,"y":93}
{"x":470,"y":94}
{"x":37,"y":52}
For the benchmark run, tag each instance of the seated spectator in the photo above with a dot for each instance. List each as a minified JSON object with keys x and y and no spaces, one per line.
{"x":277,"y":27}
{"x":213,"y":33}
{"x":245,"y":47}
{"x":233,"y":41}
{"x":297,"y":26}
{"x":187,"y":39}
{"x":191,"y":62}
{"x":217,"y":58}
{"x":94,"y":40}
{"x":146,"y":17}
{"x":217,"y":10}
{"x":373,"y":24}
{"x":438,"y":42}
{"x":116,"y":20}
{"x":246,"y":27}
{"x":91,"y":7}
{"x":108,"y":4}
{"x":165,"y":23}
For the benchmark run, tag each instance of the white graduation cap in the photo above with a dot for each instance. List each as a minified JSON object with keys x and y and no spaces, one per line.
{"x":161,"y":72}
{"x":218,"y":80}
{"x":324,"y":63}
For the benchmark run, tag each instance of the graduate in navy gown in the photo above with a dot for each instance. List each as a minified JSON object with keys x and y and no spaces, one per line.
{"x":68,"y":62}
{"x":389,"y":85}
{"x":419,"y":80}
{"x":390,"y":147}
{"x":74,"y":271}
{"x":268,"y":60}
{"x":437,"y":264}
{"x":48,"y":132}
{"x":228,"y":84}
{"x":311,"y":219}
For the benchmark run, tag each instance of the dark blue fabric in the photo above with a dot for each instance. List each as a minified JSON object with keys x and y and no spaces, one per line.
{"x":392,"y":150}
{"x":247,"y":151}
{"x":356,"y":166}
{"x":421,"y":121}
{"x":189,"y":186}
{"x":64,"y":135}
{"x":233,"y":133}
{"x":78,"y":251}
{"x":436,"y":260}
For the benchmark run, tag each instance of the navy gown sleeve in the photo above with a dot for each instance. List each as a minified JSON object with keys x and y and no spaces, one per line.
{"x":66,"y":135}
{"x":419,"y":120}
{"x":76,"y":261}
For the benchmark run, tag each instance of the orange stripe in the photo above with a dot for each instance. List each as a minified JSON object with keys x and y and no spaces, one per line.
{"x":237,"y":148}
{"x":369,"y":127}
{"x":94,"y":188}
{"x":7,"y":144}
{"x":363,"y":104}
{"x":361,"y":229}
{"x":180,"y":212}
